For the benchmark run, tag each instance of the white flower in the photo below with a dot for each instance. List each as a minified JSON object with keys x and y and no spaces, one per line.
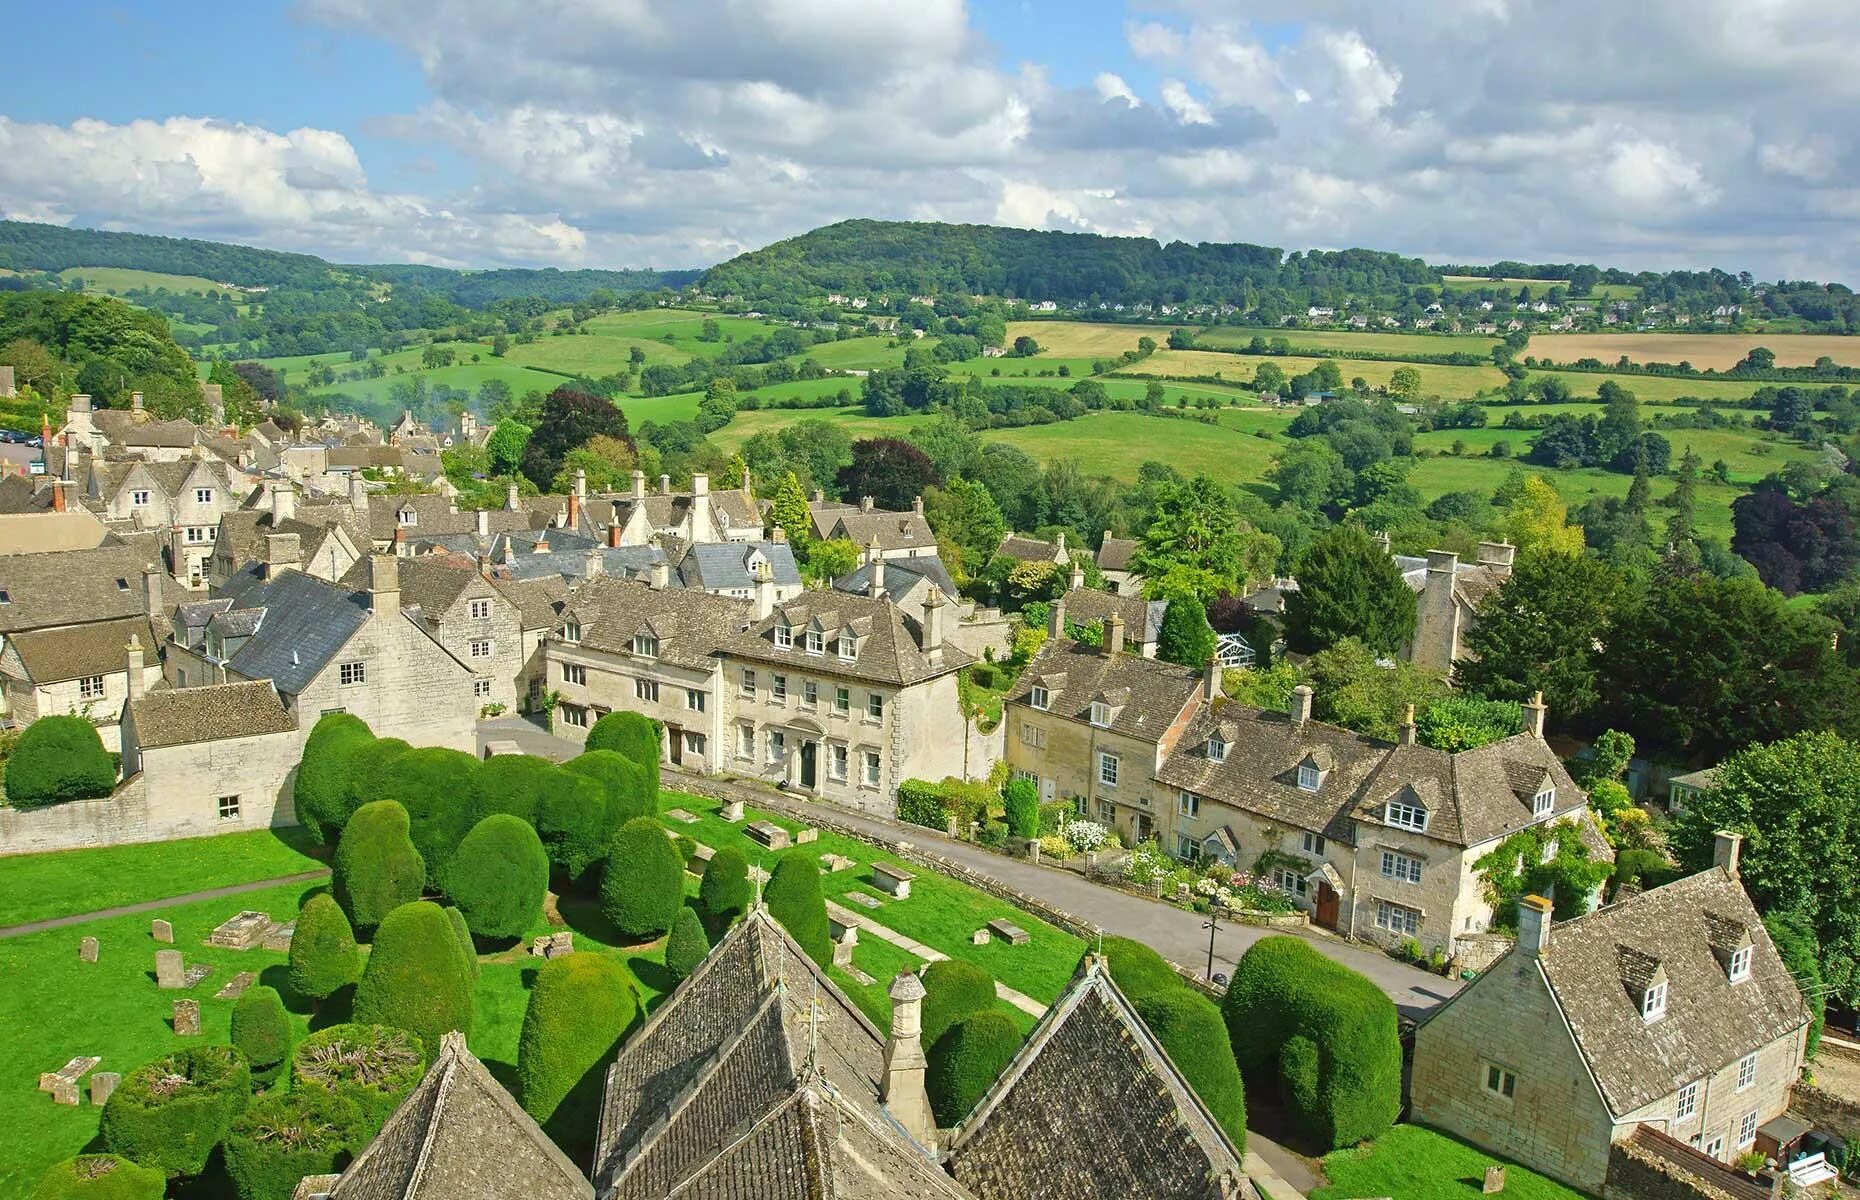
{"x":1206,"y":886}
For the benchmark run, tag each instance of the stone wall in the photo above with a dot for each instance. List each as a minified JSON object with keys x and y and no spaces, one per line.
{"x":1639,"y":1170}
{"x":120,"y":817}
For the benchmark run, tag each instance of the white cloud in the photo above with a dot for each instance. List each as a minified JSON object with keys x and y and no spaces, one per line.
{"x":1188,"y":110}
{"x":1113,"y":87}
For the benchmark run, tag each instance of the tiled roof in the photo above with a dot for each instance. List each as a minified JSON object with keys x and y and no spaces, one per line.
{"x":1027,"y":549}
{"x":126,"y":428}
{"x":21,"y":494}
{"x":690,"y":625}
{"x":889,"y":644}
{"x":1114,"y":553}
{"x":437,"y":516}
{"x":1142,"y":618}
{"x":717,"y":565}
{"x":432,"y":582}
{"x":75,"y":651}
{"x":1709,"y":1023}
{"x":1092,"y":1107}
{"x":891,"y":530}
{"x":459,"y":1135}
{"x":307,"y":622}
{"x":182,"y":716}
{"x":68,"y":587}
{"x":1146,"y":694}
{"x":540,"y":601}
{"x":901,"y":575}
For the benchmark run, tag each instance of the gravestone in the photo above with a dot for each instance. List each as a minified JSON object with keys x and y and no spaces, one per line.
{"x":682,"y":816}
{"x":805,"y":835}
{"x":845,"y":936}
{"x":863,"y":899}
{"x":241,"y":931}
{"x":102,"y":1084}
{"x":169,"y":972}
{"x":279,"y":936}
{"x":186,"y":1018}
{"x":560,"y":944}
{"x":1033,"y":850}
{"x":161,"y":931}
{"x":768,"y":834}
{"x":539,"y":947}
{"x":65,"y":1091}
{"x":195,"y":974}
{"x":1008,"y":932}
{"x":62,"y":1083}
{"x":733,"y":811}
{"x":701,"y":856}
{"x":1494,"y":1180}
{"x":87,"y":949}
{"x":980,"y":937}
{"x":235,"y":987}
{"x":893,"y":880}
{"x":836,"y":862}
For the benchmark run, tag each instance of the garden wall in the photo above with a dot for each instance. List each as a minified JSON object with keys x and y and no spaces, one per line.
{"x":1650,"y":1166}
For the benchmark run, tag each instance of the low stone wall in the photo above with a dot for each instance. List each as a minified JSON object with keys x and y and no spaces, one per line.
{"x":122,"y":816}
{"x":1825,"y":1110}
{"x":1649,"y":1166}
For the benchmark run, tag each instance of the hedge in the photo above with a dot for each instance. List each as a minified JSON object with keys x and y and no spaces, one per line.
{"x":100,"y":1177}
{"x":173,"y":1126}
{"x":1284,"y":990}
{"x":794,"y":899}
{"x":1191,"y":1031}
{"x":632,"y":735}
{"x":435,"y":785}
{"x":514,"y":784}
{"x":574,"y":822}
{"x":933,"y":804}
{"x":368,"y":766}
{"x":285,"y":1136}
{"x":498,"y":877}
{"x":376,"y":868}
{"x":632,"y":790}
{"x":57,"y":759}
{"x":725,"y":893}
{"x":920,"y":802}
{"x":320,"y":792}
{"x":417,"y":978}
{"x":261,"y":1030}
{"x":1137,"y":970}
{"x":966,"y":1061}
{"x":643,"y":886}
{"x":1022,"y":800}
{"x":324,"y":958}
{"x":953,"y":989}
{"x":373,"y":1066}
{"x":687,"y":944}
{"x":580,"y":1006}
{"x":466,"y":945}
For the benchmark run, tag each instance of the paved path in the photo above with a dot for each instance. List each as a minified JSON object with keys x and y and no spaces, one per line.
{"x":167,"y":902}
{"x":1174,"y":933}
{"x":884,"y":933}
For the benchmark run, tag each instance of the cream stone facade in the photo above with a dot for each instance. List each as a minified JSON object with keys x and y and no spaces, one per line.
{"x":216,"y":786}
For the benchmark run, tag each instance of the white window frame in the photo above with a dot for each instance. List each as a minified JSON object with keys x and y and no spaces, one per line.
{"x":810,"y":693}
{"x":1739,"y":969}
{"x":1291,"y":882}
{"x":645,"y":645}
{"x":481,"y":648}
{"x":784,"y":635}
{"x":203,"y":495}
{"x":573,"y":714}
{"x":838,"y":760}
{"x":646,"y":689}
{"x":1217,"y":749}
{"x":1188,"y":804}
{"x":480,"y":608}
{"x":139,"y":498}
{"x":1543,"y":803}
{"x":1313,"y":842}
{"x":815,"y":642}
{"x":1747,"y":1072}
{"x":1500,"y":1081}
{"x":696,"y":700}
{"x":196,"y":535}
{"x":1747,"y":1130}
{"x":694,"y":742}
{"x":575,"y":673}
{"x":1688,"y":1105}
{"x":874,"y":768}
{"x":1107,"y":769}
{"x":778,"y":688}
{"x":480,"y":689}
{"x":847,"y":647}
{"x":1715,"y":1148}
{"x":746,"y":741}
{"x":748,"y":685}
{"x":351,"y":673}
{"x":1398,"y":918}
{"x":778,"y":746}
{"x":1039,"y":697}
{"x":228,"y":808}
{"x":1310,"y":779}
{"x":1403,"y":867}
{"x":1405,"y":816}
{"x":571,"y":632}
{"x":1100,"y":714}
{"x":1653,"y":1002}
{"x":1186,"y":848}
{"x":90,"y":687}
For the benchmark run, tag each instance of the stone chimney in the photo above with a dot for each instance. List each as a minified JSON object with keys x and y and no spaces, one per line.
{"x":571,"y":519}
{"x":660,"y":577}
{"x":484,"y":564}
{"x":77,"y":421}
{"x":917,"y":505}
{"x":135,"y":402}
{"x":1076,"y":579}
{"x":581,"y":483}
{"x":1408,"y":726}
{"x":1533,"y":926}
{"x":358,"y":493}
{"x":665,"y":485}
{"x":484,"y":522}
{"x":1211,"y":681}
{"x":1113,"y":634}
{"x":593,"y":564}
{"x":1436,"y":626}
{"x":613,"y":536}
{"x":1726,"y":847}
{"x":384,"y":586}
{"x":402,"y":549}
{"x":1061,"y":541}
{"x":1383,"y":540}
{"x":7,"y":388}
{"x":1535,"y":711}
{"x":151,"y":595}
{"x":818,"y":497}
{"x":865,"y":504}
{"x":283,"y":552}
{"x":700,"y":508}
{"x":1056,"y":619}
{"x":283,"y":502}
{"x":765,"y":591}
{"x":933,"y":621}
{"x":511,"y":500}
{"x":639,"y":484}
{"x":902,"y":1085}
{"x":875,"y":588}
{"x":58,"y":489}
{"x":134,"y":657}
{"x":1301,"y":705}
{"x":1498,"y":556}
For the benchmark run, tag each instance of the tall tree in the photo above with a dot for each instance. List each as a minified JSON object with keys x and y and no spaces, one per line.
{"x":788,"y":512}
{"x":1539,"y":520}
{"x":506,"y":444}
{"x":891,"y":471}
{"x":1538,"y":631}
{"x":1195,"y":542}
{"x":1349,"y":587}
{"x":569,"y":418}
{"x":1682,"y":525}
{"x":966,"y":519}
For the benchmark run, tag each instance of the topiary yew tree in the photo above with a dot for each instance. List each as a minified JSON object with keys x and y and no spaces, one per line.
{"x":794,"y":898}
{"x":417,"y":978}
{"x":169,"y":1114}
{"x":643,"y":885}
{"x":725,"y":893}
{"x":373,"y":1066}
{"x":498,"y":876}
{"x":368,"y":766}
{"x":632,"y":790}
{"x":574,"y":823}
{"x":513,"y":784}
{"x":376,"y":868}
{"x":324,"y":958}
{"x":953,"y":989}
{"x":436,"y":787}
{"x":261,"y":1031}
{"x":100,"y":1177}
{"x":579,"y":1007}
{"x":1021,"y":798}
{"x":320,"y":792}
{"x":285,"y":1136}
{"x":1191,"y":1031}
{"x":1137,"y":970}
{"x":686,"y":945}
{"x":463,"y":931}
{"x":57,"y":759}
{"x":633,"y":736}
{"x":966,"y":1061}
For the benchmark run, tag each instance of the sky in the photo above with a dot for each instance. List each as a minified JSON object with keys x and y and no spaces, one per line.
{"x":1653,"y":134}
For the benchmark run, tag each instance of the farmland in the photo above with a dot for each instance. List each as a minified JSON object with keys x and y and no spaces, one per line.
{"x":114,"y":281}
{"x":1449,"y":383}
{"x":1307,"y":340}
{"x":1706,"y":351}
{"x":1085,"y":339}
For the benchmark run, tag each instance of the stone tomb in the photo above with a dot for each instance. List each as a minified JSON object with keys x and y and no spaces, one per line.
{"x":893,"y":880}
{"x":836,"y":862}
{"x":682,"y":816}
{"x":63,"y":1083}
{"x":1008,"y":932}
{"x":169,"y":970}
{"x":87,"y":950}
{"x":235,"y":987}
{"x":186,"y":1018}
{"x":845,"y":936}
{"x":553,"y":945}
{"x":242,"y":932}
{"x":102,"y":1084}
{"x":195,"y":974}
{"x":863,"y":899}
{"x":700,"y":858}
{"x":161,"y":931}
{"x":279,"y":936}
{"x":806,"y":834}
{"x":769,"y":834}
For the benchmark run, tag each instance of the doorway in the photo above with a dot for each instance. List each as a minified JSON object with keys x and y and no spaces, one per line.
{"x":1326,"y":905}
{"x":809,"y":751}
{"x":675,"y":744}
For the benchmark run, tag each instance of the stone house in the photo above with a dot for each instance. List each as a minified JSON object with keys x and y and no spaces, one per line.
{"x":1376,"y":841}
{"x":329,"y":539}
{"x":467,"y":614}
{"x":1093,"y":724}
{"x":1142,"y":618}
{"x":1670,"y":1010}
{"x":1114,"y":555}
{"x":1028,"y":549}
{"x":894,"y":534}
{"x":697,"y":516}
{"x":212,"y":759}
{"x":1447,"y":595}
{"x":183,"y":500}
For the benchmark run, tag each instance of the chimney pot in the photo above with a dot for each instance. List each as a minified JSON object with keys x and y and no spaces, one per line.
{"x":865,"y":504}
{"x":581,"y":483}
{"x":665,"y":485}
{"x":1113,"y":634}
{"x":1498,"y":556}
{"x":1533,"y":926}
{"x":819,"y":497}
{"x":511,"y":501}
{"x":1301,"y":704}
{"x":1076,"y":579}
{"x":613,"y":536}
{"x":917,"y":505}
{"x":639,"y":484}
{"x":1726,"y":849}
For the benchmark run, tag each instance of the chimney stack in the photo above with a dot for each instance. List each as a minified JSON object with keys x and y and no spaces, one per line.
{"x":1076,"y":579}
{"x":1211,"y":681}
{"x":933,"y":622}
{"x":402,"y":549}
{"x":484,"y":564}
{"x":661,"y":576}
{"x":765,"y":591}
{"x":1726,"y":847}
{"x":283,"y":552}
{"x":902,"y":1086}
{"x":613,"y":536}
{"x":700,"y":508}
{"x":1301,"y":705}
{"x":136,"y":666}
{"x":818,"y":497}
{"x":135,"y":402}
{"x":639,"y":484}
{"x":1113,"y":634}
{"x":283,"y":502}
{"x":1061,"y":541}
{"x":581,"y":483}
{"x":484,"y":522}
{"x":1533,"y":926}
{"x":917,"y":505}
{"x":1534,"y":713}
{"x":151,"y":595}
{"x":1056,"y":619}
{"x":593,"y":565}
{"x":384,"y":585}
{"x":865,"y":504}
{"x":511,"y":501}
{"x":1407,"y":727}
{"x":358,"y":495}
{"x":876,"y":587}
{"x":572,"y":520}
{"x":665,"y":485}
{"x":1498,"y":556}
{"x":58,"y":489}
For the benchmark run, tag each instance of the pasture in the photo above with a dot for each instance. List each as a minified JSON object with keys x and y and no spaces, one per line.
{"x":677,"y":329}
{"x":1117,"y":443}
{"x":853,"y":420}
{"x":1448,"y":383}
{"x":114,"y":281}
{"x":863,"y":353}
{"x":1658,"y":389}
{"x":1706,"y":351}
{"x":593,"y":355}
{"x":1318,"y":341}
{"x":1085,"y":339}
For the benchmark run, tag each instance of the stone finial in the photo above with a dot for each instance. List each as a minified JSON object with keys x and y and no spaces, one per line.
{"x":902,"y":1086}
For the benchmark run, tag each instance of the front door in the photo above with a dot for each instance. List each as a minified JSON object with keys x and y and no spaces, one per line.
{"x":1327,"y":904}
{"x":808,"y":751}
{"x":1144,"y":827}
{"x":675,"y":744}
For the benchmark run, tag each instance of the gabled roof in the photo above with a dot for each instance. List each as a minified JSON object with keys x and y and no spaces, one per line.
{"x":891,"y":530}
{"x":432,"y":583}
{"x":719,"y":565}
{"x":307,"y":621}
{"x":1027,"y":549}
{"x":901,"y":575}
{"x":1147,"y":694}
{"x":459,"y":1134}
{"x":692,"y":625}
{"x":69,"y":587}
{"x":1092,"y":1107}
{"x":127,"y":428}
{"x":1114,"y":553}
{"x":76,"y":651}
{"x":889,"y":643}
{"x":1142,"y":618}
{"x":182,"y":716}
{"x":1594,"y":963}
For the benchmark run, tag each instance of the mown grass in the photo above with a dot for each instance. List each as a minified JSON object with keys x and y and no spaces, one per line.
{"x":1085,"y":339}
{"x":1714,"y":351}
{"x":1375,"y":342}
{"x":1117,"y":443}
{"x":1416,"y":1163}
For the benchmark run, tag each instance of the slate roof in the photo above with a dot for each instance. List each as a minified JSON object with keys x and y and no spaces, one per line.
{"x":1114,"y":553}
{"x":21,"y":494}
{"x":438,"y":516}
{"x":76,"y":651}
{"x":459,"y":1136}
{"x":1092,"y":1107}
{"x":126,"y":428}
{"x":720,"y":565}
{"x":1142,"y":618}
{"x":112,"y":477}
{"x":1027,"y":549}
{"x":1472,"y":582}
{"x":1710,"y":1022}
{"x":1146,"y":694}
{"x":69,"y":587}
{"x":690,"y":625}
{"x":901,"y":575}
{"x":182,"y":716}
{"x":889,"y":644}
{"x":431,"y":583}
{"x":307,"y":622}
{"x":188,"y":622}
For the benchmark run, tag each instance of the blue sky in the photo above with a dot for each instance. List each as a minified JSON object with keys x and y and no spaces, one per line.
{"x":477,"y":133}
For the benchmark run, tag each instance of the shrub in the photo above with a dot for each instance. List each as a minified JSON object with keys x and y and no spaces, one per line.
{"x":463,"y":931}
{"x":966,"y":1061}
{"x":262,"y":1032}
{"x":1137,"y":970}
{"x":1022,"y":799}
{"x":417,"y":978}
{"x":367,"y":775}
{"x":794,"y":899}
{"x":281,"y":1138}
{"x":579,"y":1007}
{"x":725,"y":892}
{"x":643,"y":886}
{"x":100,"y":1177}
{"x":632,"y":790}
{"x":498,"y":876}
{"x":953,"y":989}
{"x":687,"y":944}
{"x":373,"y":1066}
{"x":169,"y":1114}
{"x":435,"y":786}
{"x":514,"y":784}
{"x":324,"y":956}
{"x":320,"y":792}
{"x":920,"y":802}
{"x":1298,"y":1079}
{"x":1189,"y":1026}
{"x":57,"y":759}
{"x":376,"y":868}
{"x":574,"y":822}
{"x":632,"y":735}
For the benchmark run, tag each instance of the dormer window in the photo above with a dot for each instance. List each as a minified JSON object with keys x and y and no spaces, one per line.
{"x":1039,"y":697}
{"x":409,"y":517}
{"x":784,"y":635}
{"x":1217,"y":748}
{"x":1542,"y":803}
{"x":1653,"y":1002}
{"x":571,"y":631}
{"x":1403,"y":815}
{"x":1100,"y":714}
{"x":848,"y":647}
{"x":1739,"y":969}
{"x":816,"y":642}
{"x":645,"y":645}
{"x":1309,"y":778}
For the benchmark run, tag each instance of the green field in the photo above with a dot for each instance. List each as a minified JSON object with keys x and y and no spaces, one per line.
{"x":115,"y":281}
{"x":862,"y":353}
{"x":852,"y":420}
{"x":1657,"y":389}
{"x":1448,"y":383}
{"x":1117,"y":443}
{"x":592,"y":354}
{"x":1303,"y":340}
{"x":684,"y":327}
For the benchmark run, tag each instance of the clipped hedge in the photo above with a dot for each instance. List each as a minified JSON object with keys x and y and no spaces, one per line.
{"x":100,"y":1177}
{"x":579,"y":1007}
{"x":56,"y":759}
{"x":643,"y":886}
{"x":574,"y":822}
{"x":169,"y":1114}
{"x":321,"y":790}
{"x":1021,"y":797}
{"x":953,"y":990}
{"x":1284,"y":991}
{"x":417,"y":978}
{"x":633,"y":735}
{"x":632,"y":790}
{"x":1192,"y":1033}
{"x":686,"y":945}
{"x":376,"y":868}
{"x":261,"y":1030}
{"x":283,"y":1137}
{"x":966,"y":1061}
{"x":368,"y":766}
{"x":466,"y":945}
{"x":725,"y":893}
{"x":514,"y":784}
{"x":436,"y":786}
{"x":498,"y":877}
{"x":372,"y":1066}
{"x":793,"y":897}
{"x":324,"y":958}
{"x":1139,"y":971}
{"x":920,"y":802}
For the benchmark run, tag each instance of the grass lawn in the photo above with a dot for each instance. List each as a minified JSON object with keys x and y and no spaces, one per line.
{"x":680,"y":406}
{"x":1117,"y":443}
{"x":34,"y":887}
{"x":1416,"y":1163}
{"x":1434,"y":477}
{"x":1040,"y":370}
